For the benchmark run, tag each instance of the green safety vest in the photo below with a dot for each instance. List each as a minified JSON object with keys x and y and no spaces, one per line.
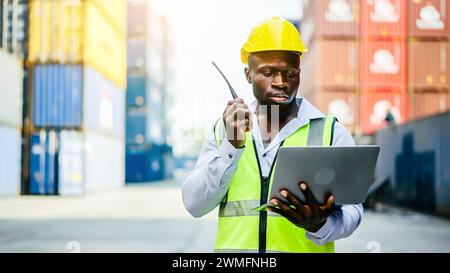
{"x":242,"y":230}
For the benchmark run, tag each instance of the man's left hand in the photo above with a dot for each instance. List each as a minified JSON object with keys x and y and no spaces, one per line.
{"x":309,"y":215}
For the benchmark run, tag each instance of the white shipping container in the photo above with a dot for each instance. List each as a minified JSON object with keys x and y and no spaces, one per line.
{"x":11,"y":80}
{"x":10,"y":154}
{"x":71,"y":163}
{"x":104,"y":162}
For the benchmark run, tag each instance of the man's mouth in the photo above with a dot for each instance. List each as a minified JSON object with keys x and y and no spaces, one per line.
{"x":279,"y":98}
{"x":279,"y":95}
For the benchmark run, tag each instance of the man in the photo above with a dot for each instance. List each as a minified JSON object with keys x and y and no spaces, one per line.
{"x":237,"y":159}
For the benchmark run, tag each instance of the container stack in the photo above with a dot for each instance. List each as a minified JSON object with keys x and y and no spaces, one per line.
{"x":13,"y":21}
{"x":74,"y":122}
{"x":383,"y":63}
{"x":145,"y":116}
{"x":429,"y":57}
{"x":330,"y":68}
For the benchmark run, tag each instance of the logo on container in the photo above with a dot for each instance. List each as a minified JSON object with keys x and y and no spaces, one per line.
{"x":339,"y":11}
{"x":342,"y":111}
{"x":430,"y":18}
{"x":106,"y":111}
{"x":380,"y":110}
{"x":383,"y":11}
{"x":384,"y":63}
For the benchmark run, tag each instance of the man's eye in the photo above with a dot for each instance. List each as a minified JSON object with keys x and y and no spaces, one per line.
{"x":291,"y":73}
{"x":267,"y":73}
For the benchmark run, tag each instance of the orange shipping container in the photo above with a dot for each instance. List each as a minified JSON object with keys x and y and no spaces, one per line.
{"x":374,"y":106}
{"x":429,"y":65}
{"x":422,"y":104}
{"x":383,"y":64}
{"x":384,"y":19}
{"x":331,"y":64}
{"x":333,"y":18}
{"x":429,"y":18}
{"x":344,"y":105}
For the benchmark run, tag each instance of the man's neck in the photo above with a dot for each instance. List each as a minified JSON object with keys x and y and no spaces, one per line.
{"x":281,"y":113}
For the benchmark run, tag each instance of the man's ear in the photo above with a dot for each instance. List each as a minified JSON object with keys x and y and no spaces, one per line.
{"x":247,"y":75}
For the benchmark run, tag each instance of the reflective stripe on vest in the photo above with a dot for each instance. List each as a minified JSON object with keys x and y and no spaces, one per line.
{"x":242,"y":230}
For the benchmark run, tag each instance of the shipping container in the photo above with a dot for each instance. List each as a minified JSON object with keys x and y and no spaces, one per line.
{"x":137,"y":62}
{"x":414,"y":158}
{"x":375,"y":107}
{"x":384,"y":19}
{"x":332,"y":64}
{"x":115,"y":11}
{"x":136,"y":90}
{"x":70,"y":163}
{"x":43,"y":163}
{"x":383,"y":64}
{"x":344,"y":105}
{"x":333,"y":18}
{"x":144,"y":163}
{"x":57,"y":93}
{"x":423,"y":104}
{"x":76,"y":32}
{"x":11,"y":90}
{"x":429,"y":65}
{"x":104,"y":162}
{"x":429,"y":18}
{"x":14,"y":24}
{"x":137,"y":16}
{"x":10,"y":158}
{"x":104,"y":104}
{"x":76,"y":96}
{"x":144,"y":126}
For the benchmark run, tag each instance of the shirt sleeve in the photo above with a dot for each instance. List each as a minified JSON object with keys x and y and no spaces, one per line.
{"x":206,"y":185}
{"x":346,"y":219}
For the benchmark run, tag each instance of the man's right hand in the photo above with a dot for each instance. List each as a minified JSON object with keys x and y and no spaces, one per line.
{"x":238,"y":120}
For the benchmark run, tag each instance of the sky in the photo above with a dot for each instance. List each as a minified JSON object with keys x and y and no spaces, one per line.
{"x":202,"y":31}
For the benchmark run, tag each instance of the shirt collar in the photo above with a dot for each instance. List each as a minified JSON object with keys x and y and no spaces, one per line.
{"x":306,"y":112}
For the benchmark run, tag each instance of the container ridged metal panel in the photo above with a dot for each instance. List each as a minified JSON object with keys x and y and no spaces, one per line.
{"x":56,"y":95}
{"x":415,"y":158}
{"x":144,"y":163}
{"x":11,"y":90}
{"x":70,"y":163}
{"x":104,"y":162}
{"x":10,"y":147}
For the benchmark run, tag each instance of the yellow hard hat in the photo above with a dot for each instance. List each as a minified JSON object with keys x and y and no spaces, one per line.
{"x":273,"y":34}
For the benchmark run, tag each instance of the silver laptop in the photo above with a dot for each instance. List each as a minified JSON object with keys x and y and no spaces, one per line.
{"x":345,"y":172}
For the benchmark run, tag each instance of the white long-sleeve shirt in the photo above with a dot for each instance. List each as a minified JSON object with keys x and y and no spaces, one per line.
{"x":206,"y":185}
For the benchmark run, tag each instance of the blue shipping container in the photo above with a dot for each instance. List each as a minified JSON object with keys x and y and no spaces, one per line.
{"x":14,"y":26}
{"x":56,"y":95}
{"x":136,"y":91}
{"x":144,"y":163}
{"x":43,"y":163}
{"x":146,"y":124}
{"x":10,"y":156}
{"x":76,"y":96}
{"x":56,"y":163}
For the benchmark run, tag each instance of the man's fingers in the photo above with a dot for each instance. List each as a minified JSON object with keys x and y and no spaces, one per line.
{"x":329,"y":205}
{"x":282,"y":213}
{"x":310,"y":199}
{"x":291,"y":198}
{"x":283,"y":206}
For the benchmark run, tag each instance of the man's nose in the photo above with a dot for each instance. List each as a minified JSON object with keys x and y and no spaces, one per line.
{"x":278,"y":81}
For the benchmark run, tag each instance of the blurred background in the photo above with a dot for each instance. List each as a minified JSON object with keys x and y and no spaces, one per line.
{"x":104,"y":106}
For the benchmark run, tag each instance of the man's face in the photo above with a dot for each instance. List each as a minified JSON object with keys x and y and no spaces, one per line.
{"x":275,"y":76}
